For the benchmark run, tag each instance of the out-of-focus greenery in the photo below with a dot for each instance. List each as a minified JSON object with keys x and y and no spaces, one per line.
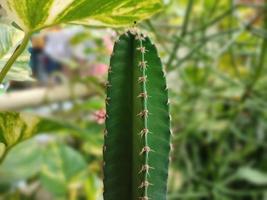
{"x":63,"y":161}
{"x":218,"y":81}
{"x":215,"y":57}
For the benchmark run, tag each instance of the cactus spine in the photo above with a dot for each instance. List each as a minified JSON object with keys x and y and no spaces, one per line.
{"x":137,"y":135}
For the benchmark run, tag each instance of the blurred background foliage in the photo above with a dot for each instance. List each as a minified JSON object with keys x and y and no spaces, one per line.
{"x":215,"y":57}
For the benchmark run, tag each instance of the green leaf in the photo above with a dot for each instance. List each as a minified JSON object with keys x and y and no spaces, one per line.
{"x":20,"y":70}
{"x":32,"y":15}
{"x":3,"y":16}
{"x":17,"y":127}
{"x":252,"y":176}
{"x":46,"y":157}
{"x":63,"y":167}
{"x":9,"y":37}
{"x":92,"y":187}
{"x":137,"y":139}
{"x":26,"y":158}
{"x":6,"y":34}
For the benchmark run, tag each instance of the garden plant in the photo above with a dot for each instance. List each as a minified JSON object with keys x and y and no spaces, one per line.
{"x":193,"y":68}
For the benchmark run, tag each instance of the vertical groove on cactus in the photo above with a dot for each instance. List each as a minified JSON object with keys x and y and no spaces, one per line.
{"x":137,"y":135}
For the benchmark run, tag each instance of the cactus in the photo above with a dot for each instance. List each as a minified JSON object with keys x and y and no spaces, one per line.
{"x":137,"y":134}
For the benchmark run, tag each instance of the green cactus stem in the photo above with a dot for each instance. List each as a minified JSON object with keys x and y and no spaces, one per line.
{"x":137,"y":135}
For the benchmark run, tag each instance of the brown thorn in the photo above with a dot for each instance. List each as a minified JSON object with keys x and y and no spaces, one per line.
{"x":144,"y":184}
{"x":126,"y":34}
{"x":143,"y":113}
{"x":139,"y":37}
{"x":133,"y":31}
{"x":145,"y":168}
{"x":171,"y":147}
{"x":108,"y":85}
{"x":144,"y":132}
{"x":143,"y":64}
{"x":142,"y":49}
{"x":107,"y":100}
{"x":105,"y":132}
{"x":145,"y":149}
{"x":143,"y":95}
{"x":118,"y":39}
{"x":142,"y":79}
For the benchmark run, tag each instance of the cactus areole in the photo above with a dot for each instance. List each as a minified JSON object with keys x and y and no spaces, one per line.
{"x":137,"y":135}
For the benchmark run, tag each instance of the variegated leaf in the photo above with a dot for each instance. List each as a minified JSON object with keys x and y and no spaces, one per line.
{"x":32,"y":15}
{"x":9,"y":37}
{"x":15,"y":127}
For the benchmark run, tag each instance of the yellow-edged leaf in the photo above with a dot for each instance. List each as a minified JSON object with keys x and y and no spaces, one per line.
{"x":33,"y":15}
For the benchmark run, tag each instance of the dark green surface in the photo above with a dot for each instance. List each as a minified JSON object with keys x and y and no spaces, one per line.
{"x":123,"y":142}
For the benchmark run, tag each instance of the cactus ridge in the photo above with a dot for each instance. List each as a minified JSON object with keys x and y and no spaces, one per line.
{"x":138,"y":123}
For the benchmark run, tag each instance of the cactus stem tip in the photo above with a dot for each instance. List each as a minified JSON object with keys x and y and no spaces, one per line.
{"x":139,"y":37}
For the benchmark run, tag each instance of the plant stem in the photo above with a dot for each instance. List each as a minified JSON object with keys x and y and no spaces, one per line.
{"x":183,"y":33}
{"x":3,"y":156}
{"x":261,"y":63}
{"x":158,"y":37}
{"x":214,"y":21}
{"x":19,"y":50}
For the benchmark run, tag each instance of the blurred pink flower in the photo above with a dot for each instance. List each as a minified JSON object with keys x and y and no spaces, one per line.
{"x":100,"y":116}
{"x":108,"y":43}
{"x":98,"y":69}
{"x":249,"y":1}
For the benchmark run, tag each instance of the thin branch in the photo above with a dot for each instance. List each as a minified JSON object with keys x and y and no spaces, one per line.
{"x":41,"y":96}
{"x":152,"y":28}
{"x":183,"y":33}
{"x":19,"y":50}
{"x":261,"y":63}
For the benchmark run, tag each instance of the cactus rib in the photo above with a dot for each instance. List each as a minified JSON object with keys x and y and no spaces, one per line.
{"x":142,"y":50}
{"x":136,"y":149}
